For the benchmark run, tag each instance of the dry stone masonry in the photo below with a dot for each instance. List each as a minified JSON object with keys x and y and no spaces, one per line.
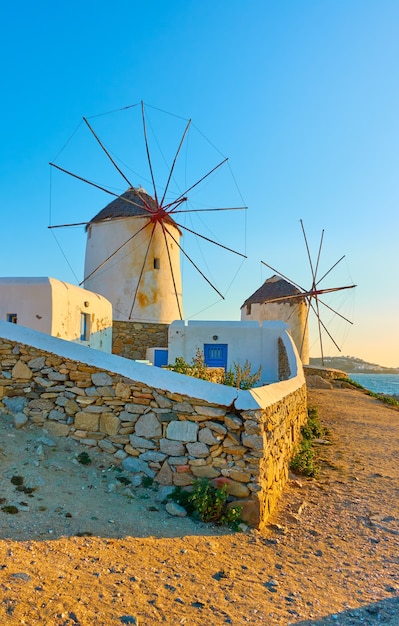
{"x":170,"y":437}
{"x":131,"y":339}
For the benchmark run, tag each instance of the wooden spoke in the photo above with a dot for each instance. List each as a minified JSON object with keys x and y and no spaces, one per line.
{"x":113,"y":254}
{"x":193,"y":264}
{"x":141,"y":272}
{"x":212,"y":241}
{"x":107,"y":153}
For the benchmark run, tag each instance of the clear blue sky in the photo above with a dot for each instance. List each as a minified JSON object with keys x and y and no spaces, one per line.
{"x":302,"y":96}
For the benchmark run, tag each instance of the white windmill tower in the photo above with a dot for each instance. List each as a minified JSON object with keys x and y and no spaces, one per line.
{"x":133,"y":259}
{"x":134,"y":244}
{"x":294,"y":302}
{"x":278,"y":299}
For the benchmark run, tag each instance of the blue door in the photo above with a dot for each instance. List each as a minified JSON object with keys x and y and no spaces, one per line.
{"x":160,"y":358}
{"x":215,"y":354}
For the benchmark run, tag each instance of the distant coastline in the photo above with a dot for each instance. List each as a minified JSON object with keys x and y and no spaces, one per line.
{"x":353,"y":365}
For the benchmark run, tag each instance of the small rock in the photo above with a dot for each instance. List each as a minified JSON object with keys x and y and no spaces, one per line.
{"x":176,"y":510}
{"x":46,"y":441}
{"x":128,"y":619}
{"x":21,"y":576}
{"x":20,"y":420}
{"x":220,"y":575}
{"x":373,"y":609}
{"x":272,"y":586}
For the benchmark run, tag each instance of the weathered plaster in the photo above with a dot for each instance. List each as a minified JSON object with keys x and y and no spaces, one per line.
{"x":117,"y":278}
{"x":54,"y":307}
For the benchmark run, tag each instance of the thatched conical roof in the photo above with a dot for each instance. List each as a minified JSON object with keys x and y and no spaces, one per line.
{"x":135,"y":202}
{"x":272,"y":288}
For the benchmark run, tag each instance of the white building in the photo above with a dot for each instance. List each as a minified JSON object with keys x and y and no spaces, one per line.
{"x":59,"y":309}
{"x":133,"y":259}
{"x":225,"y":343}
{"x":277,"y":299}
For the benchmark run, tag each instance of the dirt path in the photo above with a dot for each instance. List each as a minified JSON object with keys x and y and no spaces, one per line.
{"x":330,"y":555}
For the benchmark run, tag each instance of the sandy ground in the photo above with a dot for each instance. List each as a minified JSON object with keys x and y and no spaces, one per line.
{"x":83,"y":549}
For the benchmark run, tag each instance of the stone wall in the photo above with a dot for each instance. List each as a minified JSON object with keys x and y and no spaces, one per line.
{"x":324,"y":372}
{"x":131,"y":339}
{"x":284,"y":371}
{"x":244,"y":441}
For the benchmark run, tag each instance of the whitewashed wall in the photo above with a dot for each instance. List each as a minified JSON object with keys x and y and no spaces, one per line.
{"x":117,"y":278}
{"x":255,"y":341}
{"x":295,"y":313}
{"x":54,"y":307}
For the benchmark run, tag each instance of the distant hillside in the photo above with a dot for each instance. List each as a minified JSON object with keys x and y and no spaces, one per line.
{"x":353,"y":365}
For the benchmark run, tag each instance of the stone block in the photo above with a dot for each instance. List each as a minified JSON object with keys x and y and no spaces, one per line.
{"x":210,"y":411}
{"x":86,"y":421}
{"x":239,"y":475}
{"x":206,"y":436}
{"x":109,"y":423}
{"x":20,"y":420}
{"x":250,"y":511}
{"x":178,"y":460}
{"x":131,"y":451}
{"x":107,"y":446}
{"x":58,"y":430}
{"x":197,"y":462}
{"x":182,"y":480}
{"x":183,"y":407}
{"x":161,"y":401}
{"x":134,"y":465}
{"x":135,"y":408}
{"x":21,"y":370}
{"x":56,"y":416}
{"x":217,"y":428}
{"x":172,"y":448}
{"x":170,"y":416}
{"x":43,"y":382}
{"x":101,"y":379}
{"x":205,"y":471}
{"x":56,"y":376}
{"x":253,"y":441}
{"x":148,"y":426}
{"x":37,"y":363}
{"x":71,"y":407}
{"x":182,"y":431}
{"x":140,"y":442}
{"x":165,"y":475}
{"x":42,"y":405}
{"x":198,"y":450}
{"x":233,"y":488}
{"x":153,"y":456}
{"x":122,"y":391}
{"x":233,"y":422}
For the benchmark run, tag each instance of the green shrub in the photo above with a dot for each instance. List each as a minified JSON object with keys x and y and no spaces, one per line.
{"x":197,"y":368}
{"x":240,"y":376}
{"x":84,"y":458}
{"x":304,"y":462}
{"x":208,"y":503}
{"x":312,"y":428}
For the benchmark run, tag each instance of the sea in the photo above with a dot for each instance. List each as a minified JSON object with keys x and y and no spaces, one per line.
{"x":378,"y":383}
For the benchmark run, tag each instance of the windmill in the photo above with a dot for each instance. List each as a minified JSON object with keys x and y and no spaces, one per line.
{"x":134,"y":248}
{"x":281,"y":290}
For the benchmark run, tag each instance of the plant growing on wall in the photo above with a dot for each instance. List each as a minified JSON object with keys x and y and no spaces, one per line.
{"x":208,"y":503}
{"x":303,"y":461}
{"x":240,"y":376}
